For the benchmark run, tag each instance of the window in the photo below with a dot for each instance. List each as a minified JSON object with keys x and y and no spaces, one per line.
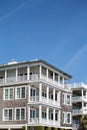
{"x":20,"y":92}
{"x":32,"y":113}
{"x":66,"y":117}
{"x":8,"y":114}
{"x":44,"y":114}
{"x":20,"y":113}
{"x":44,"y":94}
{"x":66,"y":99}
{"x":8,"y":93}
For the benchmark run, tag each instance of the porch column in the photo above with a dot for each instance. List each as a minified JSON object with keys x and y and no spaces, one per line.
{"x":9,"y":128}
{"x":47,"y":93}
{"x":40,"y":114}
{"x":40,"y":92}
{"x":28,"y":72}
{"x":54,"y":95}
{"x":58,"y":98}
{"x":28,"y":92}
{"x":16,"y":74}
{"x":47,"y":112}
{"x":53,"y":77}
{"x":5,"y":76}
{"x":47,"y":74}
{"x":40,"y":71}
{"x":63,"y":81}
{"x":54,"y":115}
{"x":82,"y":93}
{"x":59,"y":117}
{"x":28,"y":113}
{"x":59,"y":79}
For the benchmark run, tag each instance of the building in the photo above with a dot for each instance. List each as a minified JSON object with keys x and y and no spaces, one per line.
{"x":79,"y":103}
{"x":34,"y":93}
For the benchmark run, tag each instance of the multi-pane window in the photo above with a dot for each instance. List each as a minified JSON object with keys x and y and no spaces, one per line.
{"x":66,"y":117}
{"x":20,"y":92}
{"x":8,"y":114}
{"x":20,"y":113}
{"x":8,"y":94}
{"x":66,"y":99}
{"x":44,"y":114}
{"x":32,"y":113}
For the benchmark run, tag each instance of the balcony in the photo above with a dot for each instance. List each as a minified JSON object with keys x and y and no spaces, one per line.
{"x":31,"y":78}
{"x":80,"y":111}
{"x":79,"y":99}
{"x":35,"y":99}
{"x":49,"y":122}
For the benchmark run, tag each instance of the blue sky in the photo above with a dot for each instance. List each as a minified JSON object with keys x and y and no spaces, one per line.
{"x":53,"y":30}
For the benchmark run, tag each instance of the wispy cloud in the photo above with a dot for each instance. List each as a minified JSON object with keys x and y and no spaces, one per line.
{"x":2,"y":18}
{"x":75,"y":57}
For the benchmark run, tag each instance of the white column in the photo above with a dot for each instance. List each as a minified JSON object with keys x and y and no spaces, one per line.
{"x":63,"y":81}
{"x":59,"y":79}
{"x":47,"y":112}
{"x":40,"y":71}
{"x":54,"y":115}
{"x":5,"y":75}
{"x":58,"y":97}
{"x":40,"y":92}
{"x":47,"y":74}
{"x":82,"y":93}
{"x":53,"y":77}
{"x":82,"y":98}
{"x":28,"y":114}
{"x":9,"y":128}
{"x":47,"y":93}
{"x":59,"y":117}
{"x":54,"y":95}
{"x":28,"y":92}
{"x":16,"y":74}
{"x":40,"y":114}
{"x":28,"y":72}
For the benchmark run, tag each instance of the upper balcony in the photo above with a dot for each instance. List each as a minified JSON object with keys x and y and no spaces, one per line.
{"x":79,"y":99}
{"x":33,"y":73}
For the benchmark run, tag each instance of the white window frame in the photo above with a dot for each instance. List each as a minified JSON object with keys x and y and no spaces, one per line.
{"x":20,"y":113}
{"x":8,"y":93}
{"x":44,"y":114}
{"x":20,"y":92}
{"x":65,"y":120}
{"x":8,"y":110}
{"x":35,"y":112}
{"x":65,"y":99}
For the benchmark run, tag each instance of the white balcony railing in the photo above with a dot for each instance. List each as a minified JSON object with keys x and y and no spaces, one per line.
{"x":44,"y":100}
{"x":79,"y":98}
{"x":33,"y":77}
{"x":80,"y":111}
{"x":35,"y":121}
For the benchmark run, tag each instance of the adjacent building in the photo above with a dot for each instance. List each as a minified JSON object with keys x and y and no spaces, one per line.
{"x":79,"y":103}
{"x":35,"y":93}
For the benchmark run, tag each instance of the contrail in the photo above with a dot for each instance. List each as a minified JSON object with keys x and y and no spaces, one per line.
{"x":12,"y":12}
{"x":75,"y":57}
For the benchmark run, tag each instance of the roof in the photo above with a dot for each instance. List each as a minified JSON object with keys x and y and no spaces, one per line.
{"x":37,"y":61}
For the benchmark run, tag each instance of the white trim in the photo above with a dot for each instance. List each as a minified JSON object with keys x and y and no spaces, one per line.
{"x":8,"y":93}
{"x":3,"y":118}
{"x":20,"y":92}
{"x":20,"y":113}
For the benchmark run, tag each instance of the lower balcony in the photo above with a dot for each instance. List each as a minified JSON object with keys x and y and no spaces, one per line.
{"x":49,"y":122}
{"x":35,"y":99}
{"x":80,"y":111}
